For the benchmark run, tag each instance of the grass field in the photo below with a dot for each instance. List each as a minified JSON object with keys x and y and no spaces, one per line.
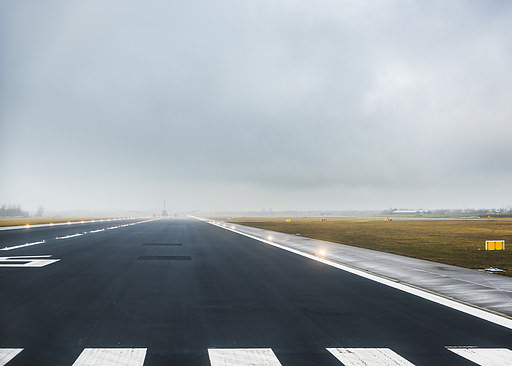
{"x":457,"y":242}
{"x":37,"y":221}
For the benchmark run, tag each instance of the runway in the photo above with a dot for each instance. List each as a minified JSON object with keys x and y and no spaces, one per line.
{"x":183,"y":292}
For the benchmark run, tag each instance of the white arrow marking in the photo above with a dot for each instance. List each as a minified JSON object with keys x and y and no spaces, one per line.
{"x":26,"y":261}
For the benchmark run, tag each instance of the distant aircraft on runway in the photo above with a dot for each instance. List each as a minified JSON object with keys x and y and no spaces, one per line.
{"x":164,"y":211}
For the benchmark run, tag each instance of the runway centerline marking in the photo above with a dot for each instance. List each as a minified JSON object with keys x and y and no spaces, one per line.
{"x":24,"y":245}
{"x":74,"y":235}
{"x":68,"y":236}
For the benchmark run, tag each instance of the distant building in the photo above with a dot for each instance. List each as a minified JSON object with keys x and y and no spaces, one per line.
{"x":419,"y":212}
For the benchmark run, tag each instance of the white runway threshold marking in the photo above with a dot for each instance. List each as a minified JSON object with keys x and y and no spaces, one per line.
{"x":485,"y":356}
{"x":111,"y":357}
{"x":7,"y":354}
{"x":243,"y":357}
{"x":453,"y":304}
{"x":27,"y":261}
{"x":368,"y":357}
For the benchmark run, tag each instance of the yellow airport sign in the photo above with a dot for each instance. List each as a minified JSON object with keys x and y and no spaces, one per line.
{"x":495,"y":245}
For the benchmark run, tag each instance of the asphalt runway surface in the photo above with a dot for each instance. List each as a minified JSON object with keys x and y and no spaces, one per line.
{"x":183,"y":292}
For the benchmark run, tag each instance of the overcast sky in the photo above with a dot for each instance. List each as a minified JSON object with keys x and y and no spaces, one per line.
{"x":245,"y":105}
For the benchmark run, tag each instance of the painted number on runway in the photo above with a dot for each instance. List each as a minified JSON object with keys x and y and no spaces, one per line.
{"x":32,"y":261}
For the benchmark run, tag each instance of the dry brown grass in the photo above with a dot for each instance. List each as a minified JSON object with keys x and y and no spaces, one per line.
{"x":457,"y":242}
{"x":37,"y":221}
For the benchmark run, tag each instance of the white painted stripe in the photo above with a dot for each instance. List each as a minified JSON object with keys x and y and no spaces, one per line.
{"x":242,"y":357}
{"x":471,"y":310}
{"x":31,"y":261}
{"x":24,"y":245}
{"x":111,"y":357}
{"x":74,"y":235}
{"x":368,"y":357}
{"x":96,"y":231}
{"x":68,"y":236}
{"x":485,"y":356}
{"x":7,"y":354}
{"x":18,"y":227}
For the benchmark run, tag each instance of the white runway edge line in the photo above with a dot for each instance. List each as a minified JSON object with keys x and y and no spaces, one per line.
{"x":111,"y":357}
{"x":368,"y":357}
{"x":485,"y":356}
{"x":467,"y":309}
{"x":24,"y":245}
{"x":7,"y":354}
{"x":242,"y":357}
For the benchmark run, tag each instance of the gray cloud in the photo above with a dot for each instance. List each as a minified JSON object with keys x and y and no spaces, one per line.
{"x":244,"y":105}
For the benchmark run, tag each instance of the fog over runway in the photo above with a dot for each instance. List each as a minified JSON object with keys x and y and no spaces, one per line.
{"x":241,"y":105}
{"x":185,"y":292}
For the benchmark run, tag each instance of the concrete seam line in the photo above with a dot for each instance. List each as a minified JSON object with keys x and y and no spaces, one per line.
{"x":437,"y":298}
